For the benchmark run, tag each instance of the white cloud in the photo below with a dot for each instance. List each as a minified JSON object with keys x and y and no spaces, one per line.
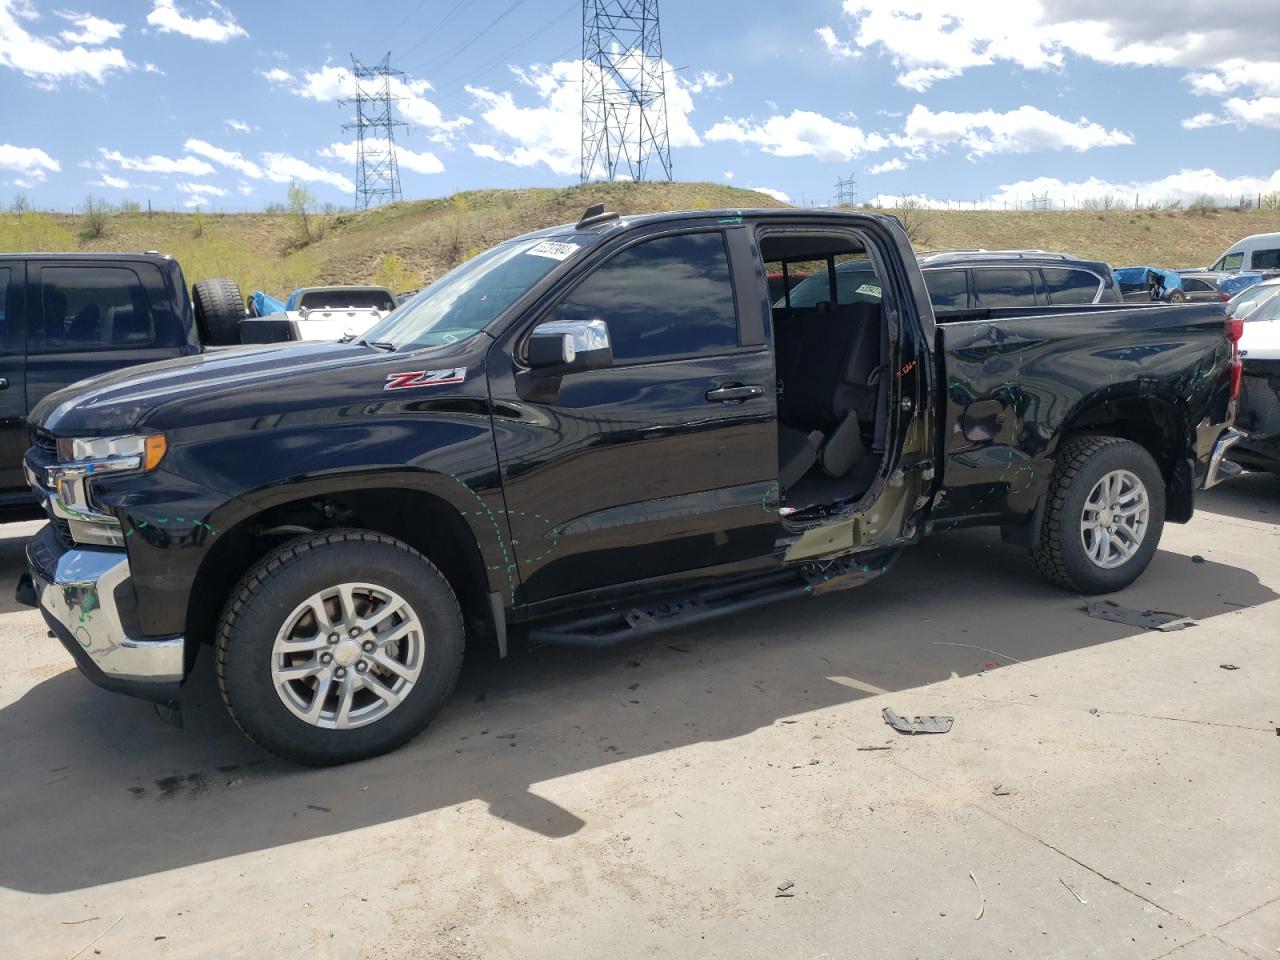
{"x":1264,"y":111}
{"x":166,"y":17}
{"x":90,"y":30}
{"x":770,"y":192}
{"x":1236,"y":74}
{"x":933,"y":40}
{"x":281,"y":168}
{"x":239,"y":126}
{"x":406,"y":159}
{"x":47,"y":60}
{"x":835,"y":46}
{"x":1017,"y":131}
{"x":152,"y":68}
{"x":332,"y":82}
{"x":1184,"y":186}
{"x":889,"y":166}
{"x":191,"y":166}
{"x":802,"y":133}
{"x":550,"y":133}
{"x":728,"y":175}
{"x":225,"y":158}
{"x":708,"y":80}
{"x":118,"y":183}
{"x":31,"y":163}
{"x":199,"y":194}
{"x":1201,"y":120}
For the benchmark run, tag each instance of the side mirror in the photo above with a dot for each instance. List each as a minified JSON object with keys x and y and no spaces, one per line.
{"x":567,"y":346}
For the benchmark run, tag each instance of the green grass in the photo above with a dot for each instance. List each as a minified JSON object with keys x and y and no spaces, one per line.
{"x":269,"y":252}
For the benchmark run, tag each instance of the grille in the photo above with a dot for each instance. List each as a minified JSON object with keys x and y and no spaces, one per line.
{"x":63,"y":531}
{"x":45,"y":442}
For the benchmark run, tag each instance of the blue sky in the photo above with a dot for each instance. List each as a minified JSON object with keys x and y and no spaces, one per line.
{"x":187,"y":102}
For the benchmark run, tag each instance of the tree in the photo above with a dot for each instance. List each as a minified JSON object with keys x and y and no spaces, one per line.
{"x":21,"y":204}
{"x":96,"y":210}
{"x":396,"y":275}
{"x":914,"y":217}
{"x":301,"y":203}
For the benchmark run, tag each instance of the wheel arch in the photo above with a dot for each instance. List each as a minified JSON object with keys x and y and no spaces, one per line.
{"x":438,"y":516}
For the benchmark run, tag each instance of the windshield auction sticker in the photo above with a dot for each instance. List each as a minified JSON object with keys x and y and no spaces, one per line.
{"x":553,"y":249}
{"x":424,"y":378}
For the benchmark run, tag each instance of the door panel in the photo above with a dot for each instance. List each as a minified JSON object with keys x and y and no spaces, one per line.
{"x":633,"y":472}
{"x":13,"y":387}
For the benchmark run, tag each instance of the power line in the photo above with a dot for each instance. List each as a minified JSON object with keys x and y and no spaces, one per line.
{"x":520,"y":45}
{"x":397,"y":28}
{"x":443,"y":21}
{"x":466,"y":46}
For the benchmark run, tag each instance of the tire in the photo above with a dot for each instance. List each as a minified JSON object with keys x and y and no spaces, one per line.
{"x":1177,"y":296}
{"x":1061,"y":554}
{"x":219,"y":308}
{"x":269,"y":707}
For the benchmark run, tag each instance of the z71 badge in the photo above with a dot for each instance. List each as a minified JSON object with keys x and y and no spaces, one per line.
{"x":424,"y":378}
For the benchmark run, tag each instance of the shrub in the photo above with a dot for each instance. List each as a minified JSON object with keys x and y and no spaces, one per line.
{"x":396,"y":275}
{"x":96,"y":210}
{"x":1202,"y":205}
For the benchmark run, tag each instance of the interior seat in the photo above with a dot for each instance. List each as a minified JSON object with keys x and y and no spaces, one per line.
{"x":830,"y":372}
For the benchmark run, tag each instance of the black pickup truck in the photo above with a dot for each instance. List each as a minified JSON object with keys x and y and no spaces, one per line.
{"x":595,"y":432}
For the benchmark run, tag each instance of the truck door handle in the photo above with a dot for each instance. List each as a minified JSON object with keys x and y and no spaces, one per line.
{"x":4,"y":383}
{"x":734,"y":393}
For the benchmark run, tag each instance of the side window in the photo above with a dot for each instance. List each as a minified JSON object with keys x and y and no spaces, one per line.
{"x":662,"y":298}
{"x":1070,"y":286}
{"x":1004,"y":288}
{"x":1232,"y":261}
{"x":1265,"y":260}
{"x":91,"y":308}
{"x":4,"y":305}
{"x":1192,"y":285}
{"x":948,"y":289}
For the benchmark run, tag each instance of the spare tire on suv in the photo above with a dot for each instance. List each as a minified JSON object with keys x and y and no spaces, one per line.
{"x":219,"y":309}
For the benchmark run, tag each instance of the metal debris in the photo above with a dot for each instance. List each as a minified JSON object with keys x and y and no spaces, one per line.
{"x":1227,"y":666}
{"x":916,"y":725}
{"x":786,"y":885}
{"x":1147,"y":619}
{"x":1000,"y":790}
{"x":863,"y":749}
{"x":95,"y":939}
{"x":1073,"y":893}
{"x":982,"y":901}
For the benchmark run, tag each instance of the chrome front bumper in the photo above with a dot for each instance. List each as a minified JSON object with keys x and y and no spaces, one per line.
{"x":79,"y":594}
{"x":1229,"y":439}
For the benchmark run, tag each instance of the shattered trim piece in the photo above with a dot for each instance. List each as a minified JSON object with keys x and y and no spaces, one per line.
{"x":1147,"y":619}
{"x":928,"y":724}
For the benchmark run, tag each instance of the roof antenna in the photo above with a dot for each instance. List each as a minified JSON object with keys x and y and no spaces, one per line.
{"x":595,"y":214}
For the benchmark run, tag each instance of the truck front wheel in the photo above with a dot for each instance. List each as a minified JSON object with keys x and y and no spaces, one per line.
{"x":338,"y":646}
{"x":1104,"y":515}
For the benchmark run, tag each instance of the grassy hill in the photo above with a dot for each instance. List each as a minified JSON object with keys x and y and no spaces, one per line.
{"x":270,"y":251}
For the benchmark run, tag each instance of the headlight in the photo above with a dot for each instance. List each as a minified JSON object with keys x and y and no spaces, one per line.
{"x":94,"y":455}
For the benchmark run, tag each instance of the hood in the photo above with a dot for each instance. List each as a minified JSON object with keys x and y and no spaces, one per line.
{"x":117,"y":402}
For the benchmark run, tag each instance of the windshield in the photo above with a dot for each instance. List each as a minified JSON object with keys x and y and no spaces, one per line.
{"x":466,"y":300}
{"x":1263,"y":307}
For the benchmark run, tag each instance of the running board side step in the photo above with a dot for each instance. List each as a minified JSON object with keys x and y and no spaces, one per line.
{"x":679,"y":610}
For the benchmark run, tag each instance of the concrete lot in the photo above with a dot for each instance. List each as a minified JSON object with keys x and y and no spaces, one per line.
{"x":649,"y":800}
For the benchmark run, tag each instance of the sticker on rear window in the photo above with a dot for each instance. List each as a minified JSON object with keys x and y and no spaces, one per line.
{"x":424,"y":378}
{"x":869,"y":290}
{"x":553,"y":249}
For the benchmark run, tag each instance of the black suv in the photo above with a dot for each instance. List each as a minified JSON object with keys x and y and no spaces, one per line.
{"x":977,"y":279}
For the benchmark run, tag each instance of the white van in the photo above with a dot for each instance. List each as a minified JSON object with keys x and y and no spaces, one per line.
{"x":1258,"y":252}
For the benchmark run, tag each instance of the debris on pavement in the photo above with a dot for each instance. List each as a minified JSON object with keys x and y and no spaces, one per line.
{"x":982,"y":901}
{"x":864,"y":749}
{"x":784,"y":889}
{"x":1147,"y":619}
{"x":1094,"y":711}
{"x":72,"y":923}
{"x":928,"y":724}
{"x":1000,"y":790}
{"x":1073,"y":892}
{"x":95,"y":939}
{"x":1196,"y":558}
{"x":1227,"y":666}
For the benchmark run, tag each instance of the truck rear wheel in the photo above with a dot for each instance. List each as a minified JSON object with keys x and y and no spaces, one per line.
{"x":338,"y":646}
{"x":219,"y":308}
{"x":1104,"y":515}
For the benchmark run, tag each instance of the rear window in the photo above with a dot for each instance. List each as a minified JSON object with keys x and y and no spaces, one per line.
{"x":1265,"y":260}
{"x":948,"y":289}
{"x":1004,"y":287}
{"x":1070,"y":286}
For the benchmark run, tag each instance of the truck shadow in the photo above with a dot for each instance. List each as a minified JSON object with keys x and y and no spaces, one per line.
{"x":1253,"y":496}
{"x":96,"y":789}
